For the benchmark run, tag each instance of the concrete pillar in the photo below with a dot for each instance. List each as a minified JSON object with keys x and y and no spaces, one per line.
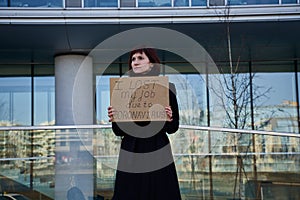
{"x":74,"y":106}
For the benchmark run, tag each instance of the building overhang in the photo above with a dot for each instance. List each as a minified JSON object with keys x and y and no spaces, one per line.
{"x":35,"y":36}
{"x":148,"y":15}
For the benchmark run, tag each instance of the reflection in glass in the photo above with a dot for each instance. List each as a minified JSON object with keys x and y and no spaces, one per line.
{"x":128,"y":3}
{"x":106,"y":148}
{"x":237,"y":2}
{"x":277,"y":160}
{"x":277,"y":112}
{"x":32,"y":3}
{"x":191,"y":98}
{"x":15,"y":101}
{"x":3,"y":3}
{"x":181,"y":3}
{"x":154,"y":3}
{"x":252,"y":2}
{"x":216,"y":2}
{"x":199,"y":2}
{"x":288,"y":1}
{"x":44,"y":97}
{"x":102,"y":98}
{"x":141,"y":3}
{"x":230,"y":100}
{"x":21,"y":172}
{"x":100,"y":3}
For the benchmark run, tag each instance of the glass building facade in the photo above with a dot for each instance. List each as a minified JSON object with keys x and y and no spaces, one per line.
{"x":140,"y":3}
{"x":239,"y":125}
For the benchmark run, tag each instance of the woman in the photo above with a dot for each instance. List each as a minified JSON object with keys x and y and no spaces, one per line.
{"x":146,"y":170}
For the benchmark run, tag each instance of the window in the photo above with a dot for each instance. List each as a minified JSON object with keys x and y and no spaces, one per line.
{"x":217,"y":2}
{"x":155,"y":3}
{"x":127,"y":3}
{"x":32,"y":3}
{"x":44,"y":100}
{"x":16,"y":89}
{"x":199,"y":2}
{"x":276,"y":109}
{"x":100,"y":3}
{"x":15,"y":101}
{"x":288,"y":1}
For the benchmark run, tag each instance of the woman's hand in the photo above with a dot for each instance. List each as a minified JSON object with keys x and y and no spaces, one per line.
{"x":169,"y":112}
{"x":110,"y":113}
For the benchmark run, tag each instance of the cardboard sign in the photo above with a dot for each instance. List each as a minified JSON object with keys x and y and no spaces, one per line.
{"x":139,"y":98}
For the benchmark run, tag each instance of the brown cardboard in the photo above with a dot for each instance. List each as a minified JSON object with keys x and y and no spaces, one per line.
{"x":139,"y":98}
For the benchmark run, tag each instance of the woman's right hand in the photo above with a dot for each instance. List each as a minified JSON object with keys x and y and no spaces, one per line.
{"x":110,"y":113}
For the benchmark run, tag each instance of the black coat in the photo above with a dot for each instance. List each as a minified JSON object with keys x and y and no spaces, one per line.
{"x":146,"y":170}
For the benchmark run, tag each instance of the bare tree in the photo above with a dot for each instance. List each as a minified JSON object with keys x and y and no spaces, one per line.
{"x":235,"y":94}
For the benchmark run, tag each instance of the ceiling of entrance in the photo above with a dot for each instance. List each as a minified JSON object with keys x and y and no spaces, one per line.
{"x":250,"y":41}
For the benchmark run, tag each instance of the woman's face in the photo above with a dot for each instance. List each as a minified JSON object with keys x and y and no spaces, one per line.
{"x":140,"y":63}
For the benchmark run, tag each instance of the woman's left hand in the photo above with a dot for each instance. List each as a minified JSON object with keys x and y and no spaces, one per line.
{"x":169,"y":112}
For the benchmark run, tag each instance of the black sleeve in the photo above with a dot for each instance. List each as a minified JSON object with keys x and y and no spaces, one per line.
{"x":172,"y":127}
{"x":117,"y":130}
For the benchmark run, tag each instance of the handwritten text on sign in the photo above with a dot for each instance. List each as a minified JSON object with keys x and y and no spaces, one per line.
{"x":139,"y":98}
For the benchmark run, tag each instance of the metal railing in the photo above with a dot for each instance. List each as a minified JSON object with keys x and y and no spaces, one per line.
{"x":208,"y":164}
{"x":188,"y":127}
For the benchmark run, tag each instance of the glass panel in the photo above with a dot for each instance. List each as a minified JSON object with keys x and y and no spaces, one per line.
{"x":191,"y":98}
{"x":181,"y":2}
{"x":15,"y":101}
{"x":33,"y":3}
{"x":252,"y":2}
{"x":128,"y":3}
{"x":191,"y":157}
{"x":102,"y":98}
{"x":44,"y":97}
{"x":216,"y":2}
{"x":27,"y":160}
{"x":199,"y":2}
{"x":154,"y":3}
{"x":267,"y":2}
{"x":73,"y":3}
{"x":106,"y":151}
{"x":238,"y":2}
{"x":230,"y":98}
{"x":277,"y":109}
{"x":206,"y":166}
{"x":100,"y":3}
{"x":288,"y":1}
{"x":3,"y":3}
{"x":74,"y":159}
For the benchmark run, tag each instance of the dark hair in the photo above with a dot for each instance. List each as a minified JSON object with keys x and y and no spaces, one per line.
{"x":152,"y":56}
